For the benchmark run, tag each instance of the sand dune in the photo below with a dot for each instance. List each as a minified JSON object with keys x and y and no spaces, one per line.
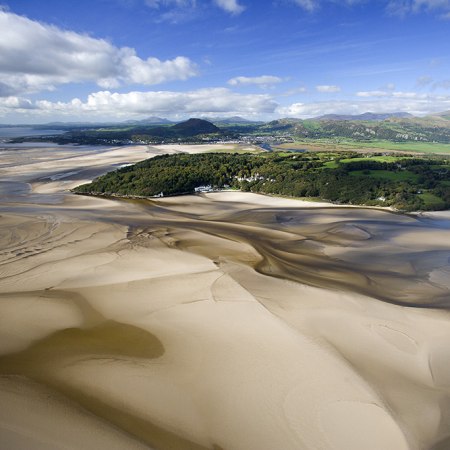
{"x":221,"y":321}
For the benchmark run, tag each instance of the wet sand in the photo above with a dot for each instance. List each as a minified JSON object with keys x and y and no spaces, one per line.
{"x":221,"y":321}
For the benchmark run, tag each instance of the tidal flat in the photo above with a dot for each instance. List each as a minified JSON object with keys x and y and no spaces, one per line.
{"x":218,"y":321}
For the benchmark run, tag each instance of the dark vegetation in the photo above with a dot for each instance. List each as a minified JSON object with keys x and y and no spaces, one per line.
{"x":404,"y":182}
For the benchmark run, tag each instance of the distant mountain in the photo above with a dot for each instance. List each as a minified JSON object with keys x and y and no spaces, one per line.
{"x":366,"y":116}
{"x":194,"y":127}
{"x":444,"y":115}
{"x":152,"y":120}
{"x":231,"y":120}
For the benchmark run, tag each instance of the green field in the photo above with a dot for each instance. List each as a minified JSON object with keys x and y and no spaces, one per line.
{"x":431,"y":201}
{"x":331,"y":164}
{"x":403,"y":175}
{"x":383,"y":158}
{"x":348,"y":144}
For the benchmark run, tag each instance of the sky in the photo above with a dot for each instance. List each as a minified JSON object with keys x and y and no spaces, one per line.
{"x":117,"y":60}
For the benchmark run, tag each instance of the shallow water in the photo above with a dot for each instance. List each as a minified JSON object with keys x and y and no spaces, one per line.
{"x":14,"y":132}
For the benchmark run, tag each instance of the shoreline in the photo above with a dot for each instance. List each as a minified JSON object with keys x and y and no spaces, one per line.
{"x":310,"y":202}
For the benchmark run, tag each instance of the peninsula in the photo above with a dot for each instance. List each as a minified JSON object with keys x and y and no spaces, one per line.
{"x":400,"y":181}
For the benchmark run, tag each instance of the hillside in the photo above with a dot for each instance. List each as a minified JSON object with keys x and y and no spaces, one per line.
{"x":393,"y":129}
{"x":194,"y":127}
{"x":366,"y":116}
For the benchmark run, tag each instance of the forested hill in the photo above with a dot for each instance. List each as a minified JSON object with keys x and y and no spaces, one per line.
{"x":404,"y":182}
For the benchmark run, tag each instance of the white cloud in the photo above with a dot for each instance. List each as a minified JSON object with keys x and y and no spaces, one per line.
{"x":264,"y":80}
{"x":328,"y":88}
{"x":312,"y":5}
{"x":392,"y":94}
{"x":399,"y":94}
{"x":414,"y":103}
{"x":106,"y":104}
{"x":372,"y":94}
{"x":36,"y":56}
{"x":16,"y":103}
{"x":231,"y":6}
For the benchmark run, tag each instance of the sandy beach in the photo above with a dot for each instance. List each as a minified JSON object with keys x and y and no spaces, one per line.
{"x":223,"y":320}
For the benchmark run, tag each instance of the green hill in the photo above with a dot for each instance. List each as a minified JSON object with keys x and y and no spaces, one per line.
{"x":194,"y":127}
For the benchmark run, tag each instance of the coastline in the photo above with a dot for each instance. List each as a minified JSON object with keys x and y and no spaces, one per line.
{"x":299,"y":202}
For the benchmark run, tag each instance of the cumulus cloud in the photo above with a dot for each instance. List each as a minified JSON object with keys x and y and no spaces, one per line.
{"x":263,"y":80}
{"x":35,"y":56}
{"x":328,"y":88}
{"x":16,"y":103}
{"x":169,"y":103}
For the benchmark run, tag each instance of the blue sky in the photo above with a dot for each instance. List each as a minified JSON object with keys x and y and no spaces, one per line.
{"x":98,"y":60}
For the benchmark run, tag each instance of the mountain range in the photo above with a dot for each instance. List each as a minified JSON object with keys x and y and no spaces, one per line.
{"x":368,"y":127}
{"x":366,"y":116}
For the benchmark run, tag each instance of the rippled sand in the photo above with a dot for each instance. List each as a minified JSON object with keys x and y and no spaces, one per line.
{"x":222,"y":321}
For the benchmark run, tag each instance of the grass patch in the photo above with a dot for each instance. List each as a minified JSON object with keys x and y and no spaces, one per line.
{"x":387,"y":159}
{"x":331,"y":165}
{"x":403,"y":175}
{"x":349,"y":144}
{"x":432,"y":201}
